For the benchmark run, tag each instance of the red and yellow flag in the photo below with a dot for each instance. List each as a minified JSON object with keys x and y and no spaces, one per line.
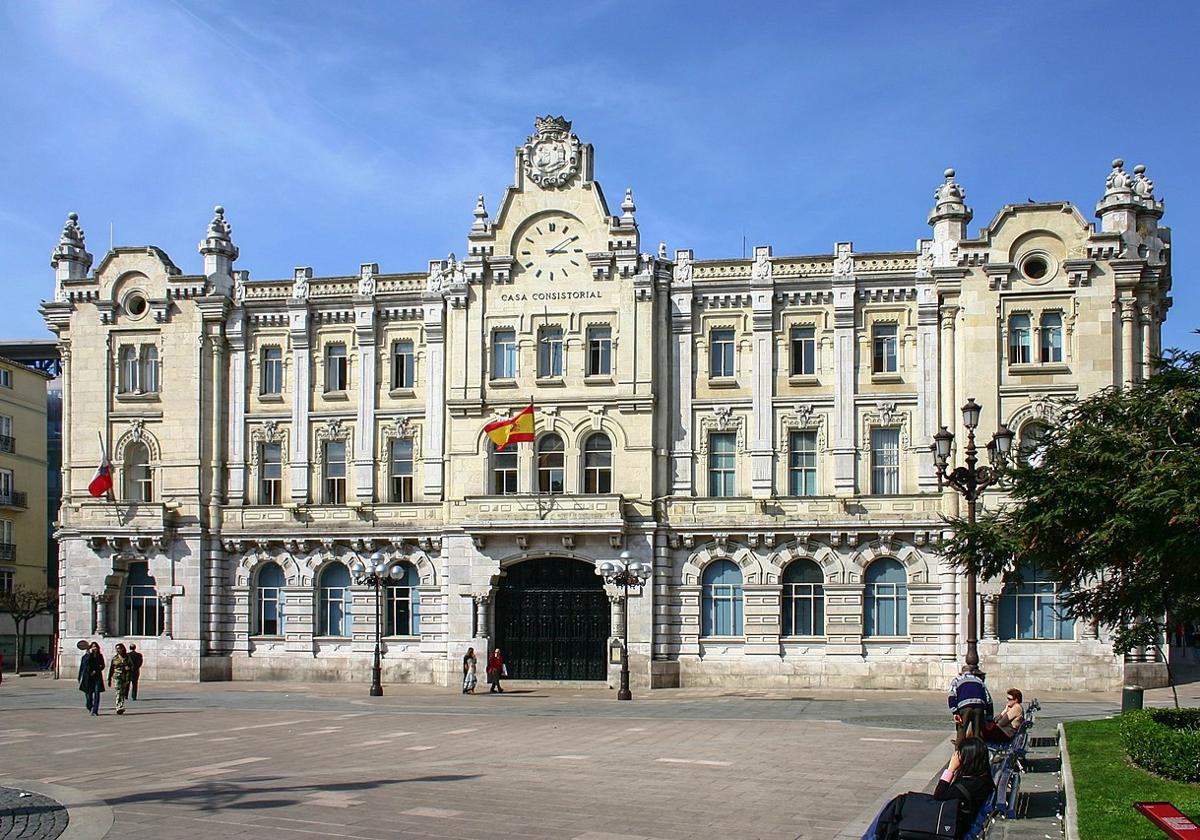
{"x":515,"y":429}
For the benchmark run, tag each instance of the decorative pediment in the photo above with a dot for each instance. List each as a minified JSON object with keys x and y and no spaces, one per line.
{"x":722,"y":419}
{"x":268,"y":432}
{"x":400,"y":428}
{"x":333,"y":429}
{"x":801,"y":418}
{"x":887,"y":414}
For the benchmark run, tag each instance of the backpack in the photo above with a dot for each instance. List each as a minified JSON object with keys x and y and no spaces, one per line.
{"x":918,"y":816}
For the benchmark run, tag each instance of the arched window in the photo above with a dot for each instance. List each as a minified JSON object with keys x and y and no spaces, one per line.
{"x":504,"y":471}
{"x":597,"y":464}
{"x":1018,"y":340}
{"x":128,"y":375}
{"x":143,"y":611}
{"x":1029,"y":450}
{"x":333,"y":617}
{"x":803,"y":599}
{"x":268,"y":601}
{"x":1032,"y":609}
{"x":402,"y":608}
{"x":721,"y":599}
{"x":885,"y":611}
{"x":139,"y":481}
{"x":149,"y":369}
{"x":550,"y":463}
{"x":1052,"y":337}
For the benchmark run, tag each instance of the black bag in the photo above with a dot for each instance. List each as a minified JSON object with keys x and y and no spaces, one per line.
{"x":924,"y":818}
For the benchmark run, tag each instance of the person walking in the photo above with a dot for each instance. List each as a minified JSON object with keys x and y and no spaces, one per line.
{"x":970,"y":704}
{"x":121,"y":668}
{"x":91,"y":677}
{"x":469,"y":678}
{"x":136,"y":659}
{"x":496,"y":670}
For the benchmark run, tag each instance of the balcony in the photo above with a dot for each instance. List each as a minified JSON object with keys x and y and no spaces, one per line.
{"x":115,"y":517}
{"x":8,"y":552}
{"x":351,"y":516}
{"x":602,"y":513}
{"x":14,"y":499}
{"x":8,"y":443}
{"x":784,"y":512}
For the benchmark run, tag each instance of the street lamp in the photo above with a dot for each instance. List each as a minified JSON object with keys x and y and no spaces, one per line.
{"x":373,"y":573}
{"x":625,"y":573}
{"x":971,"y":481}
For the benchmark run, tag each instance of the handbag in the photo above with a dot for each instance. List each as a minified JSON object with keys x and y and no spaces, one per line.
{"x":924,"y":818}
{"x":504,"y":670}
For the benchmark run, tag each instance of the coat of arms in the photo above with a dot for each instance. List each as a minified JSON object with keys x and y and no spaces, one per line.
{"x":552,"y":154}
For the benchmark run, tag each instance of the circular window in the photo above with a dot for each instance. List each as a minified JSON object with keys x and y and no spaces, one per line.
{"x":1038,"y":267}
{"x":136,"y":305}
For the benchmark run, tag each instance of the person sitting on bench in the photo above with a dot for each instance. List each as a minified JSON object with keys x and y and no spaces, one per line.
{"x":1008,"y":722}
{"x":967,"y":780}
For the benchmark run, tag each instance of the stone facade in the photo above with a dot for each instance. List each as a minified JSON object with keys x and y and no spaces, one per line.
{"x":763,"y":415}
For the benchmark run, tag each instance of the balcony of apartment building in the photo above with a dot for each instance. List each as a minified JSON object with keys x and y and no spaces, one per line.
{"x":8,"y":552}
{"x":8,"y":443}
{"x":14,"y":499}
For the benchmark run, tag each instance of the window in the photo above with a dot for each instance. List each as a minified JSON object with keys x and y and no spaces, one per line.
{"x":7,"y":444}
{"x":402,"y":364}
{"x":6,"y":487}
{"x":335,"y":472}
{"x":550,"y":464}
{"x":721,"y":599}
{"x":402,"y":609}
{"x":139,"y":481}
{"x":333,"y":617}
{"x":272,"y":370}
{"x":550,"y":348}
{"x":1033,"y":609}
{"x":271,"y":474}
{"x":143,"y":611}
{"x":1030,"y":450}
{"x":803,"y":351}
{"x":336,"y":368}
{"x":1052,"y":337}
{"x":402,"y":470}
{"x":722,"y":460}
{"x":149,"y":369}
{"x":802,"y":464}
{"x":6,"y":577}
{"x":599,"y":341}
{"x":885,"y":462}
{"x":885,"y":611}
{"x":5,"y":377}
{"x":268,"y":611}
{"x":8,"y":550}
{"x":884,"y":344}
{"x":129,"y":374}
{"x":504,"y":472}
{"x":504,"y":354}
{"x":803,"y":599}
{"x":1018,"y":340}
{"x":720,"y":354}
{"x":597,"y":464}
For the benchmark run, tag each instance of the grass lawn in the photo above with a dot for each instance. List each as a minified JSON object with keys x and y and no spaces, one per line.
{"x":1107,"y":785}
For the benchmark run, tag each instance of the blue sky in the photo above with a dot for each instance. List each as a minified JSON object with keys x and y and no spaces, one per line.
{"x":336,"y":134}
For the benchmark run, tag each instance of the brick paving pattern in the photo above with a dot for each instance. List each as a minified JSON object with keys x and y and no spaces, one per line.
{"x":30,"y":816}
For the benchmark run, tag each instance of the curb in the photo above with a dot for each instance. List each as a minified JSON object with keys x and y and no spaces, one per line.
{"x":88,"y":818}
{"x":1071,"y":808}
{"x":918,"y":778}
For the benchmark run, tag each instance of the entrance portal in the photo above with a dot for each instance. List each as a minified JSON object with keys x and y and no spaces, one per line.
{"x":552,"y":620}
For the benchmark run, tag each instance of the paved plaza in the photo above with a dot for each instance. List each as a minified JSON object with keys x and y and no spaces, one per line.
{"x":271,"y":760}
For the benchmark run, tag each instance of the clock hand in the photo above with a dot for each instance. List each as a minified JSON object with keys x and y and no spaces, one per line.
{"x":557,"y":249}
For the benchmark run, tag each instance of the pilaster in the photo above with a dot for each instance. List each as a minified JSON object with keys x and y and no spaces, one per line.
{"x":298,"y":317}
{"x":364,"y":438}
{"x":762,"y":450}
{"x":236,"y":336}
{"x":433,"y":445}
{"x":845,"y":366}
{"x":682,"y":375}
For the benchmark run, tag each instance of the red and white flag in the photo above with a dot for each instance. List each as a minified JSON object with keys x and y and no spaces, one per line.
{"x":101,"y":482}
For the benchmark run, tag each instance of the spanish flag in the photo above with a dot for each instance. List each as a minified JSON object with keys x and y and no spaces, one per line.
{"x":513,"y":430}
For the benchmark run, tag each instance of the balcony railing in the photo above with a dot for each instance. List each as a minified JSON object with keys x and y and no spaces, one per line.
{"x":8,"y":552}
{"x":8,"y":443}
{"x":14,"y":499}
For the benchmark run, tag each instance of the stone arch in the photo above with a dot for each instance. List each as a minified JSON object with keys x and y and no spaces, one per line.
{"x":250,"y":563}
{"x":1042,"y":409}
{"x":753,"y":569}
{"x":136,"y":433}
{"x":828,"y":560}
{"x":916,"y":564}
{"x":597,"y":422}
{"x":426,"y":570}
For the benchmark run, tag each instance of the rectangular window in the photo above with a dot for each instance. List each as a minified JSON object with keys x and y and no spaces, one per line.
{"x":550,"y":349}
{"x":1018,"y":340}
{"x":599,"y":351}
{"x":271,"y":474}
{"x":720,"y":354}
{"x":504,"y":354}
{"x":1052,"y":337}
{"x":6,"y":487}
{"x":8,"y":549}
{"x":504,"y":473}
{"x":402,"y":470}
{"x":129,"y":371}
{"x":272,"y":370}
{"x":885,"y":462}
{"x":335,"y":472}
{"x":6,"y":575}
{"x":802,"y":464}
{"x":722,"y":463}
{"x":149,"y":363}
{"x":336,"y":368}
{"x":269,"y":612}
{"x":7,"y":444}
{"x":803,"y":351}
{"x":402,"y":364}
{"x":884,"y":342}
{"x":5,"y":378}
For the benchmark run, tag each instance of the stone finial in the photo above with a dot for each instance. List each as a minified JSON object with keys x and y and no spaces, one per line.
{"x":1143,"y":191}
{"x":217,"y":241}
{"x":481,"y":217}
{"x":70,"y":259}
{"x":628,"y":208}
{"x":662,"y":250}
{"x":1125,"y":198}
{"x":950,"y":201}
{"x":1118,"y":181}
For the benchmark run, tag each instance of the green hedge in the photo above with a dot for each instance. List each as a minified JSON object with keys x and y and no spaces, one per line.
{"x":1164,"y":741}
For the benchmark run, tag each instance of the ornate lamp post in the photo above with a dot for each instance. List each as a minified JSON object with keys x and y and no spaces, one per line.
{"x":971,"y":480}
{"x":625,"y":573}
{"x":373,"y":573}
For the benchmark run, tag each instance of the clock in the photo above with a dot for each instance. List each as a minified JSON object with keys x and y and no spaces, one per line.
{"x":550,"y":248}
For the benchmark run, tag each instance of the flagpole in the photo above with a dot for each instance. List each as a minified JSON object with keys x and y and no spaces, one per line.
{"x":104,"y":458}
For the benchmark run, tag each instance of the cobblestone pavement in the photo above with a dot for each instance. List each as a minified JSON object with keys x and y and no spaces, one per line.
{"x":30,"y":816}
{"x":252,"y":760}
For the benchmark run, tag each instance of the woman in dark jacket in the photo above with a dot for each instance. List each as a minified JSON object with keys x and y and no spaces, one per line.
{"x":91,"y":677}
{"x":968,"y":779}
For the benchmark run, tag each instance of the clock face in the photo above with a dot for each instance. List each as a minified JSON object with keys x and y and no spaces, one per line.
{"x":550,"y":248}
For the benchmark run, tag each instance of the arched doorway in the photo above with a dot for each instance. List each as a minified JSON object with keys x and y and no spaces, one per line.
{"x":552,"y":620}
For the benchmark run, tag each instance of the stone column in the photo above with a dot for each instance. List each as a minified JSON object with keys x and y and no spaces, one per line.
{"x":364,"y":438}
{"x":682,"y":376}
{"x":1091,"y":631}
{"x":990,"y":605}
{"x":301,"y":398}
{"x":925,"y":422}
{"x":1146,"y":325}
{"x":845,"y":379}
{"x":237,"y":407}
{"x":100,"y":614}
{"x":482,"y":631}
{"x":1128,"y":354}
{"x":946,"y":361}
{"x":762,"y":386}
{"x":433,"y":457}
{"x":168,"y":628}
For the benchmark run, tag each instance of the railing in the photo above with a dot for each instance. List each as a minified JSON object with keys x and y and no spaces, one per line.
{"x":13,"y":499}
{"x":8,"y":443}
{"x":8,"y":552}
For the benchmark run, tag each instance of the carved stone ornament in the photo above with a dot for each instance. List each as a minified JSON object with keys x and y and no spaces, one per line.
{"x":239,"y":285}
{"x":887,"y":412}
{"x":137,"y":429}
{"x":761,"y":270}
{"x":683,"y":266}
{"x":925,"y":260}
{"x":399,"y":429}
{"x":552,"y":155}
{"x":843,"y":261}
{"x":333,"y":430}
{"x":722,"y":420}
{"x":801,"y":419}
{"x":300,"y":281}
{"x":366,"y":278}
{"x":723,"y":413}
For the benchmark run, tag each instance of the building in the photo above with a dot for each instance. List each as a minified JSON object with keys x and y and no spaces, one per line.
{"x":23,"y":495}
{"x":758,"y":429}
